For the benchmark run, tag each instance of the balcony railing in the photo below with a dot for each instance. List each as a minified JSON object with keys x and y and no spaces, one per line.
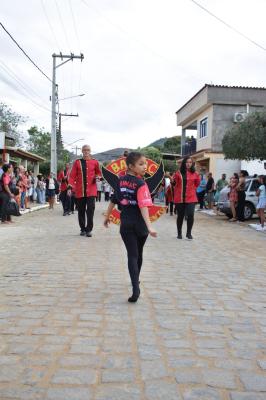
{"x":189,"y":148}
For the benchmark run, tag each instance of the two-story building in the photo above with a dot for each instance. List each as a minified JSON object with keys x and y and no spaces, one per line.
{"x":209,"y":113}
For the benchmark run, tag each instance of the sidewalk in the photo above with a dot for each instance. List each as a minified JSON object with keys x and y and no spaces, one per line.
{"x":198,"y":331}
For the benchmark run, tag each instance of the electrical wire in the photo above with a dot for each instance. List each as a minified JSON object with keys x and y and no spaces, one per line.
{"x":13,"y":75}
{"x":23,"y":51}
{"x":18,"y":90}
{"x":228,"y":25}
{"x":62,"y":23}
{"x":133,"y":38}
{"x":74,"y":23}
{"x":50,"y":25}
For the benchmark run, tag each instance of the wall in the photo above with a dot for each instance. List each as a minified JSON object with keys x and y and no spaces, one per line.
{"x":254,"y":167}
{"x":223,"y":119}
{"x":205,"y":143}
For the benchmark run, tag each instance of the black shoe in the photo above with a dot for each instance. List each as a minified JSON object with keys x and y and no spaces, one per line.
{"x":82,"y":233}
{"x":189,"y":236}
{"x":179,"y":236}
{"x":133,"y":298}
{"x":65,"y":213}
{"x":72,"y":212}
{"x":88,"y":234}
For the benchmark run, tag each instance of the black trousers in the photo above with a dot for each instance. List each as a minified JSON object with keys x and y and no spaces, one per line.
{"x":134,"y":243}
{"x":106,"y":196}
{"x":182,"y":210}
{"x":99,"y":195}
{"x":4,"y":199}
{"x":200,"y":197}
{"x":171,"y":204}
{"x":66,"y":201}
{"x":86,"y":207}
{"x":241,"y":206}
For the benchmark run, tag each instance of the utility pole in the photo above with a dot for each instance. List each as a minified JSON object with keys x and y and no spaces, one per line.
{"x":54,"y":102}
{"x":64,"y":115}
{"x":76,"y":148}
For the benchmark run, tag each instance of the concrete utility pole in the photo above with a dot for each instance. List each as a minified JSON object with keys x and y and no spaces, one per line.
{"x":54,"y":102}
{"x":64,"y":115}
{"x":76,"y":148}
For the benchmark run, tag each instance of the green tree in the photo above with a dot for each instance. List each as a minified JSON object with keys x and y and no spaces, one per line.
{"x":151,"y":152}
{"x":39,"y":142}
{"x":172,"y":145}
{"x":10,"y":121}
{"x":247,"y":140}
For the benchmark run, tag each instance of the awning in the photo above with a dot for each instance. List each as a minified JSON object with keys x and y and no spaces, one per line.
{"x":23,"y":154}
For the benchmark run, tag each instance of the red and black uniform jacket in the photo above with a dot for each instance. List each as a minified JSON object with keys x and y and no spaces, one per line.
{"x":192,"y":182}
{"x":132,"y":194}
{"x":83,"y":177}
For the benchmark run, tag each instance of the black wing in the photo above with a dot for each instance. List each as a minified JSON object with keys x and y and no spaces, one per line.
{"x":110,"y":178}
{"x":154,"y":181}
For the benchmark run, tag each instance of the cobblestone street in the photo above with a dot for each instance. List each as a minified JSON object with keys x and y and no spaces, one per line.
{"x":198,"y":331}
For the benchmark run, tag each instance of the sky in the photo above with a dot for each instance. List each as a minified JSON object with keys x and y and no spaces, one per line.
{"x":143,"y":59}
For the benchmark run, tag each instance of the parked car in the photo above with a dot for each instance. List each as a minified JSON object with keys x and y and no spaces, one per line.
{"x":251,"y":202}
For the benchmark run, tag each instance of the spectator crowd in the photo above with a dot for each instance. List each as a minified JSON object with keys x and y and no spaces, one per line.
{"x":21,"y":186}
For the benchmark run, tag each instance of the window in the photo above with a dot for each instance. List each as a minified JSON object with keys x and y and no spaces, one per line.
{"x":203,"y":127}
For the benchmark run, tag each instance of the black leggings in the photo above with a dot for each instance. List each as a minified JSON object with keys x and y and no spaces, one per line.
{"x":185,"y":209}
{"x":134,"y":244}
{"x":240,"y":209}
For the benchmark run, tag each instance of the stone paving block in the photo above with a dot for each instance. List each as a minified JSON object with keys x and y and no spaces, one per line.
{"x":118,"y":375}
{"x":253,"y":382}
{"x":161,"y":390}
{"x":118,"y":392}
{"x":116,"y":361}
{"x":28,"y":393}
{"x":188,"y":376}
{"x":10,"y":373}
{"x":69,"y":394}
{"x":89,"y":360}
{"x":262,"y":364}
{"x":246,"y":396}
{"x":202,"y":393}
{"x":153,"y":369}
{"x":83,"y":376}
{"x":219,"y":378}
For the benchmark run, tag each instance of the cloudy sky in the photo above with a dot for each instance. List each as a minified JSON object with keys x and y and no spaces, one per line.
{"x":143,"y":60}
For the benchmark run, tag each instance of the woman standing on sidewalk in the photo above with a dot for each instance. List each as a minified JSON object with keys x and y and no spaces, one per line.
{"x":233,"y":196}
{"x":241,"y":194}
{"x":5,"y":193}
{"x":133,"y":198}
{"x":186,"y":182}
{"x":261,"y":192}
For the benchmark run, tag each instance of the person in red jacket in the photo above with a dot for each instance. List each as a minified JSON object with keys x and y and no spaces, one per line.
{"x":186,"y":182}
{"x":83,"y":177}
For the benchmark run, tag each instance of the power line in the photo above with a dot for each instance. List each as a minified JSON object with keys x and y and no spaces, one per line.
{"x":133,"y":38}
{"x":228,"y":25}
{"x":62,"y":23}
{"x":13,"y":75}
{"x":14,"y":87}
{"x":11,"y":37}
{"x":74,"y":21}
{"x":50,"y":25}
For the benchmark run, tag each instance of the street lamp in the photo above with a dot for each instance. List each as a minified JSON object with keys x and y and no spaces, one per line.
{"x":69,"y":144}
{"x":71,"y":97}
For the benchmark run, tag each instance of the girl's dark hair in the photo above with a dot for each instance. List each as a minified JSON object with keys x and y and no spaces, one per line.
{"x":183,"y":168}
{"x":6,"y":167}
{"x":263,"y":177}
{"x":133,"y":157}
{"x":236,"y":175}
{"x":244,"y":172}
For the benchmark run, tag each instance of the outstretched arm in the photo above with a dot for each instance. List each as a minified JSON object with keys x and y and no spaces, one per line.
{"x":108,"y":213}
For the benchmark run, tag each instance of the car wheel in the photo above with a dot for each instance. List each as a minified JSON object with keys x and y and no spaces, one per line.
{"x":248,"y":211}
